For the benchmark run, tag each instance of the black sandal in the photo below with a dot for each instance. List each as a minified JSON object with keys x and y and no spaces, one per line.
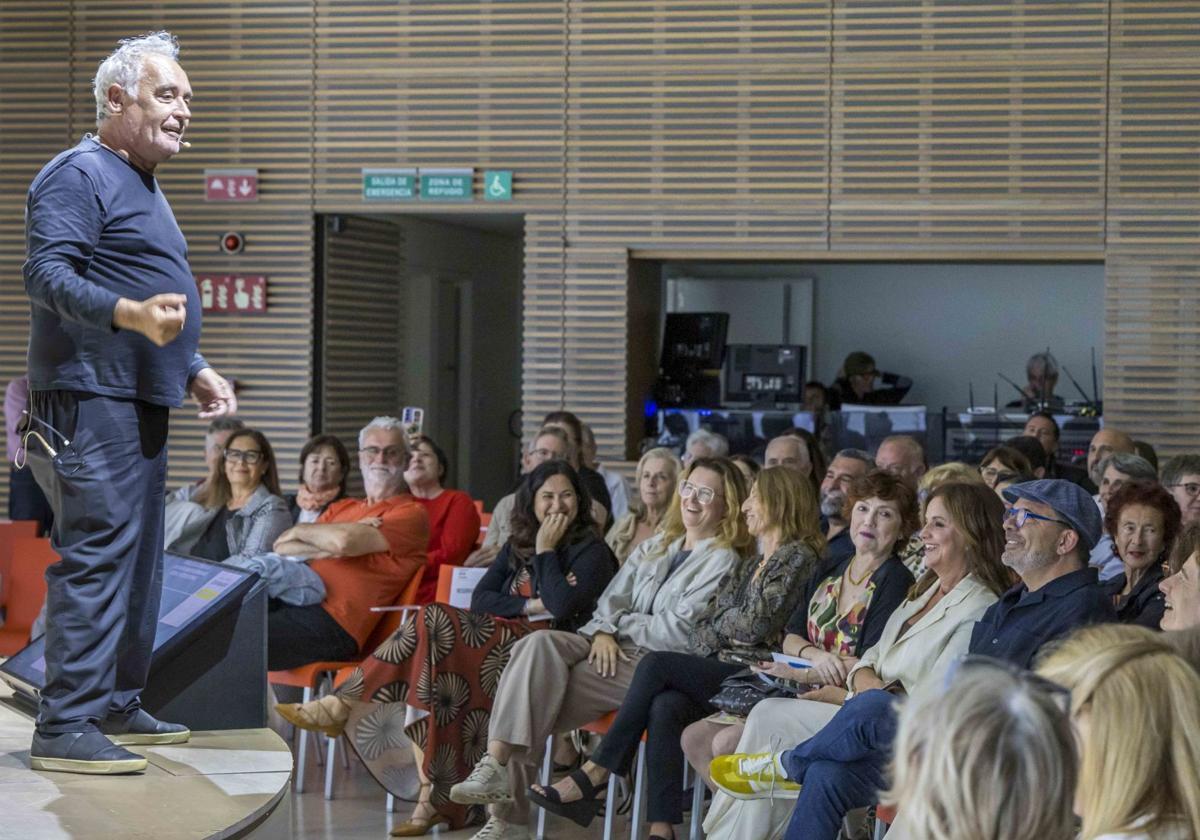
{"x":581,"y":811}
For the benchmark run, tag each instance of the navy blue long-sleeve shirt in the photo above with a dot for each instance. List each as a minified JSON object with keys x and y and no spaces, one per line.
{"x":1015,"y":627}
{"x":99,"y":229}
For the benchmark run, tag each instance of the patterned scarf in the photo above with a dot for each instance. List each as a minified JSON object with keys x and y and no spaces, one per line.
{"x":313,"y":502}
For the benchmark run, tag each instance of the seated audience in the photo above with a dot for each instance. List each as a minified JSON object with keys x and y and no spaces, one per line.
{"x":1003,"y":462}
{"x":1144,"y":521}
{"x":855,"y":383}
{"x":749,"y":467}
{"x":549,"y":573}
{"x":1146,"y":450}
{"x":453,"y":519}
{"x":557,"y":680}
{"x":904,"y":457}
{"x":846,"y":466}
{"x":1033,"y":452}
{"x":215,"y":438}
{"x":1181,"y":475}
{"x":1009,"y":479}
{"x":1041,"y":378}
{"x":845,"y":606}
{"x":704,"y":444}
{"x":592,"y":481}
{"x":1133,"y":700}
{"x":671,"y":690}
{"x":816,"y":397}
{"x":913,"y":554}
{"x":1115,"y":471}
{"x":238,"y":510}
{"x":812,"y":448}
{"x":1104,"y":443}
{"x":549,"y":444}
{"x":365,"y":551}
{"x":1042,"y":426}
{"x":997,"y":763}
{"x":788,"y":451}
{"x":1181,"y":589}
{"x":324,"y":471}
{"x":657,"y":474}
{"x":923,"y":638}
{"x":614,"y":481}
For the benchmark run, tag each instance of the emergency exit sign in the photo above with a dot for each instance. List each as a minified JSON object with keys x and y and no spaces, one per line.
{"x":447,"y":184}
{"x":389,"y":184}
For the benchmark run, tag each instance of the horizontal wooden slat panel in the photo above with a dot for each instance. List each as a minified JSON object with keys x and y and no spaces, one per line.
{"x":1155,"y":27}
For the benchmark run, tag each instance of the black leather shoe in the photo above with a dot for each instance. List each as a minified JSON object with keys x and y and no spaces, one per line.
{"x":82,"y":752}
{"x":142,"y":728}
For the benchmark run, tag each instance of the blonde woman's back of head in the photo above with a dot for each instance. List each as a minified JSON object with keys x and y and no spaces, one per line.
{"x":1141,"y":702}
{"x":990,"y":758}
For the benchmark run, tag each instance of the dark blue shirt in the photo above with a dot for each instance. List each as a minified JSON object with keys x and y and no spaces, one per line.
{"x":1015,"y":627}
{"x":99,"y":229}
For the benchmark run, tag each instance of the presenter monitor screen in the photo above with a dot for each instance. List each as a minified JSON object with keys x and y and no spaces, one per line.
{"x":193,"y":593}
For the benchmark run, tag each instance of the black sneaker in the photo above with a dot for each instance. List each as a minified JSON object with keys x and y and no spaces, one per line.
{"x":142,"y":728}
{"x":82,"y":752}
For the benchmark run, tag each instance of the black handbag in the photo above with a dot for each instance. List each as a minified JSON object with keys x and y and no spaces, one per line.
{"x":741,"y":692}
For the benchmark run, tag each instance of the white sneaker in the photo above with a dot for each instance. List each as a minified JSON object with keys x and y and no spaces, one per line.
{"x":488,"y":783}
{"x":497,"y":829}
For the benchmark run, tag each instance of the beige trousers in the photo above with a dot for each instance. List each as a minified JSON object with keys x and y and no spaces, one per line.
{"x":548,"y":687}
{"x":773,"y":725}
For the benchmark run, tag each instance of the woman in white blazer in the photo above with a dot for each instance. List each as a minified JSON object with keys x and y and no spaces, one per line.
{"x":963,"y":538}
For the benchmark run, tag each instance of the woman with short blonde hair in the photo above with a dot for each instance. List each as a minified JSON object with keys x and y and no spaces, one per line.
{"x":1134,"y":702}
{"x":997,"y":762}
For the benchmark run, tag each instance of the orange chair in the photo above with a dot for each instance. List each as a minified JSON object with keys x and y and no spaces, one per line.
{"x":316,"y":676}
{"x":31,"y":556}
{"x":9,"y":531}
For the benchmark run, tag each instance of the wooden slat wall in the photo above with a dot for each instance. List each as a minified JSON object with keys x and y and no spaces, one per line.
{"x":1152,"y":302}
{"x":361,"y":346}
{"x":969,"y":125}
{"x":33,"y":76}
{"x":732,"y":128}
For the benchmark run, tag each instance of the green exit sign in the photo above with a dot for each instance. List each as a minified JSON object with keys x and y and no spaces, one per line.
{"x":389,"y":184}
{"x":447,"y":184}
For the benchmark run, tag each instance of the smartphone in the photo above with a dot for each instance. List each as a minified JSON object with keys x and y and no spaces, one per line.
{"x":742,"y":660}
{"x":413,"y":420}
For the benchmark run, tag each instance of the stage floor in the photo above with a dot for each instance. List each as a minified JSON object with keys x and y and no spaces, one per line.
{"x":220,"y":785}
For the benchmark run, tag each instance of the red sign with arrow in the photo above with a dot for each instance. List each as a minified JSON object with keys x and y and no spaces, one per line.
{"x":231,"y":185}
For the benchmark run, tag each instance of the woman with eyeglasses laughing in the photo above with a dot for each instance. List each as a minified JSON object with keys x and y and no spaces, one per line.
{"x":240,"y":510}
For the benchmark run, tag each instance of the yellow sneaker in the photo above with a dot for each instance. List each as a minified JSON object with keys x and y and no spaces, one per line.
{"x":753,"y":776}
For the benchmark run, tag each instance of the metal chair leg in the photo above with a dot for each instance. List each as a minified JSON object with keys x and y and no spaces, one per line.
{"x":331,"y":748}
{"x":610,"y":806}
{"x":639,"y":791}
{"x":302,"y":747}
{"x":696,"y":831}
{"x":547,"y":766}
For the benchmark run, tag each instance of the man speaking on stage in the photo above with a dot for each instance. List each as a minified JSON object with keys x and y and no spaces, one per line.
{"x":114,"y":332}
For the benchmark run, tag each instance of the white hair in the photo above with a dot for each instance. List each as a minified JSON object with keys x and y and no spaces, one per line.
{"x":717,"y":445}
{"x":390,"y":424}
{"x":124,"y":66}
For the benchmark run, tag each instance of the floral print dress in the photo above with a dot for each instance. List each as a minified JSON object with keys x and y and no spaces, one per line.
{"x":445,"y":661}
{"x":833,"y":631}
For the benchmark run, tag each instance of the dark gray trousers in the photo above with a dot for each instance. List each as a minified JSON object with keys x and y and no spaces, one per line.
{"x":106,"y":489}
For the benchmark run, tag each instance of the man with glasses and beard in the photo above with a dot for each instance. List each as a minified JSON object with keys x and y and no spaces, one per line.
{"x":846,"y":466}
{"x":364,"y":550}
{"x":1049,"y":532}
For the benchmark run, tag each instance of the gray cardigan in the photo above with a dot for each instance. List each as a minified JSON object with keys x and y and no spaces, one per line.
{"x":644,"y":608}
{"x":251,"y":530}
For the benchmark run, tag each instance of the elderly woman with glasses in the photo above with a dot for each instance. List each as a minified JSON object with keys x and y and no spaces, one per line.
{"x":557,"y":681}
{"x":239,"y":511}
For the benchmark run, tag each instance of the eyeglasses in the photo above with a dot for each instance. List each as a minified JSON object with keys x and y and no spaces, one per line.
{"x":1020,"y":516}
{"x":390,"y":453}
{"x":1192,"y":489}
{"x":249,"y":457}
{"x":704,"y":495}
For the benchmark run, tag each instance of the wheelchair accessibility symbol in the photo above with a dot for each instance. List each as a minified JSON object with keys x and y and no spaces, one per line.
{"x":497,"y":185}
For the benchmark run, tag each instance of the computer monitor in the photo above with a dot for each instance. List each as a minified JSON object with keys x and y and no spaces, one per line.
{"x":757,"y":373}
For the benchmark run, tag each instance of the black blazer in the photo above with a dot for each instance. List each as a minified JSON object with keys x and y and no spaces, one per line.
{"x":1145,"y":604}
{"x":892,"y":581}
{"x":591,"y":560}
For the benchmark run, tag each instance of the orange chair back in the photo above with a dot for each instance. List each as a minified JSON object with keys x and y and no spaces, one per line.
{"x":9,"y":531}
{"x":445,"y":578}
{"x":478,"y":505}
{"x":31,"y":556}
